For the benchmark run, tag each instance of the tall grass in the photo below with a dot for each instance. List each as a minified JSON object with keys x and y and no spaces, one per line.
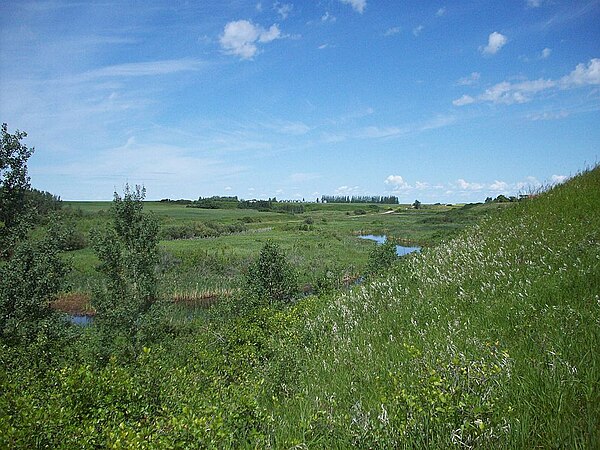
{"x":489,"y":340}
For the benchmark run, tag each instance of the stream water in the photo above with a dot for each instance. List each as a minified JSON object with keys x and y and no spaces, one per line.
{"x":401,"y":250}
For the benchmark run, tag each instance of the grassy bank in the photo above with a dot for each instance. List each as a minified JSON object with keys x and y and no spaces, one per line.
{"x":487,"y":340}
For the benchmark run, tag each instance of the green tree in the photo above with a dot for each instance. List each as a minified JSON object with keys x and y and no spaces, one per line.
{"x":381,"y":258}
{"x":29,"y":281}
{"x":128,"y":256}
{"x":14,"y":184}
{"x":271,"y":277}
{"x":417,"y":204}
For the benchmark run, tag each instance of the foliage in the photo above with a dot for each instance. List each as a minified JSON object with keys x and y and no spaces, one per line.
{"x":29,"y":281}
{"x":381,"y":258}
{"x":271,"y":277}
{"x":128,"y":257}
{"x":485,"y":341}
{"x":14,"y":183}
{"x":42,"y":203}
{"x":388,"y":200}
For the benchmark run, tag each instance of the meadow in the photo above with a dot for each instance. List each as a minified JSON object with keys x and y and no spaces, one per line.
{"x":322,"y":239}
{"x":485,"y":339}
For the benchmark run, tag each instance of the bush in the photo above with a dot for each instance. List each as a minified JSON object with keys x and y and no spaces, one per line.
{"x":29,"y":281}
{"x":128,"y":254}
{"x":271,"y":277}
{"x":381,"y":258}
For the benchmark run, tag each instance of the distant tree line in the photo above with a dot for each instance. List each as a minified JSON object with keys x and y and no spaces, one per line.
{"x":271,"y":204}
{"x":391,"y":199}
{"x":504,"y":199}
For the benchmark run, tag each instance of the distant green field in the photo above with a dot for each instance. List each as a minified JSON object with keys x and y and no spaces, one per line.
{"x":322,"y":238}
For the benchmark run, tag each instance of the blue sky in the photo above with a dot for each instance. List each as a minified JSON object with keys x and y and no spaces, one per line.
{"x":443,"y":101}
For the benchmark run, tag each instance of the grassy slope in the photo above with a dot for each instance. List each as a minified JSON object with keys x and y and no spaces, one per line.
{"x":489,"y":340}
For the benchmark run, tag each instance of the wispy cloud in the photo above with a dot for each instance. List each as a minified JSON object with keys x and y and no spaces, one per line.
{"x":473,"y":78}
{"x":392,"y":31}
{"x":545,"y":53}
{"x":148,"y":68}
{"x":534,"y":3}
{"x":548,"y":115}
{"x":509,"y":93}
{"x":418,"y":30}
{"x":327,"y":17}
{"x":347,"y":190}
{"x":242,"y":37}
{"x":283,"y":9}
{"x":358,"y":5}
{"x":440,"y":12}
{"x":303,"y":177}
{"x":288,"y":127}
{"x":495,"y":42}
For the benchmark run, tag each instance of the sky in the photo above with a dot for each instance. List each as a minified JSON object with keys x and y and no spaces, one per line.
{"x":440,"y":101}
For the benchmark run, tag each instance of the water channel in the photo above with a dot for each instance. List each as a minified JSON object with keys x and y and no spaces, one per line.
{"x":401,"y":250}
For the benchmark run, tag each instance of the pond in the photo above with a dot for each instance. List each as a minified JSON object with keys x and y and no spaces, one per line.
{"x":400,"y":249}
{"x":80,"y":319}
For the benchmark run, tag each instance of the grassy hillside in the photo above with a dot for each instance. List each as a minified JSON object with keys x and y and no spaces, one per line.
{"x":488,"y":340}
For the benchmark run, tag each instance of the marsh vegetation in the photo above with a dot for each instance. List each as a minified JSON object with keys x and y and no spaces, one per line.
{"x":205,"y":334}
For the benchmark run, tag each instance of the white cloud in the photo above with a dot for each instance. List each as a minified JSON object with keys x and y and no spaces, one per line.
{"x":148,"y":68}
{"x":374,"y":132}
{"x":469,"y":80}
{"x":346,"y":190}
{"x":327,"y":17}
{"x":467,"y":186}
{"x":557,"y":179}
{"x":464,"y":100}
{"x":292,"y":128}
{"x":417,"y":30}
{"x":283,"y":10}
{"x":440,"y":12}
{"x":396,"y":182}
{"x":499,"y":186}
{"x":583,"y":75}
{"x":546,"y":53}
{"x":548,"y":115}
{"x":534,"y":3}
{"x":240,"y":38}
{"x":495,"y":42}
{"x":391,"y":31}
{"x":509,"y":93}
{"x":358,"y":5}
{"x":323,"y":46}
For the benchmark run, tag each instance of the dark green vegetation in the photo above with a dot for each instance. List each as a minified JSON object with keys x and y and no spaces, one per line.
{"x":484,"y":340}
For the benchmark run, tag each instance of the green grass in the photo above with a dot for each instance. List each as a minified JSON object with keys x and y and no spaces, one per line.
{"x":328,"y":243}
{"x":488,"y":340}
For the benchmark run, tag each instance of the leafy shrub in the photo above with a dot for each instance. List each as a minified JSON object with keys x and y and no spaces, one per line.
{"x":29,"y":280}
{"x":128,"y":256}
{"x":271,"y":277}
{"x":381,"y":258}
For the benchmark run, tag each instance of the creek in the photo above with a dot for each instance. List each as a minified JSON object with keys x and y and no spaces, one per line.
{"x":401,"y":250}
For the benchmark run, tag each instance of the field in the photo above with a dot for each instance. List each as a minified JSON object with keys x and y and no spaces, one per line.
{"x":323,"y":238}
{"x":485,"y":339}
